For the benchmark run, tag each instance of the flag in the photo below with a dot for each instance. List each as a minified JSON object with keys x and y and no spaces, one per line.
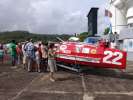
{"x":108,"y":13}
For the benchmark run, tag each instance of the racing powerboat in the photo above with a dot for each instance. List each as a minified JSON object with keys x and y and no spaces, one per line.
{"x":75,"y":55}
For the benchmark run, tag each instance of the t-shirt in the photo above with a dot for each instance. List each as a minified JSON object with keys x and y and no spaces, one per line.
{"x":40,"y":51}
{"x":18,"y":49}
{"x":1,"y":52}
{"x":23,"y":49}
{"x":51,"y":54}
{"x":29,"y":47}
{"x":13,"y":49}
{"x":44,"y":51}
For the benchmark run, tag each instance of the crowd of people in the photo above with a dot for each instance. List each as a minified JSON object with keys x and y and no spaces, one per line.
{"x":39,"y":56}
{"x":36,"y":56}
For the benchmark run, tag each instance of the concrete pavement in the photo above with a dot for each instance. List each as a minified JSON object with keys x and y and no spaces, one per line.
{"x":95,"y":84}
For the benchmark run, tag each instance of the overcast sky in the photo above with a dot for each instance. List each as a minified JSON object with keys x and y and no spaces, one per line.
{"x":47,"y":16}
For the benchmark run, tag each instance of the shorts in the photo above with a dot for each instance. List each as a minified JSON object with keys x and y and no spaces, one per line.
{"x":24,"y":59}
{"x":52,"y":65}
{"x":38,"y":61}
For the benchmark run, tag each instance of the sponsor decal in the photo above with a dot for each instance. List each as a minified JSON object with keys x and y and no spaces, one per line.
{"x":63,"y":47}
{"x":67,"y":51}
{"x":86,"y":50}
{"x":93,"y":51}
{"x":117,"y":56}
{"x":79,"y":48}
{"x":79,"y":58}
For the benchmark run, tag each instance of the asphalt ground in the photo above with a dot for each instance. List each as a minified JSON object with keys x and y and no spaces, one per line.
{"x":93,"y":84}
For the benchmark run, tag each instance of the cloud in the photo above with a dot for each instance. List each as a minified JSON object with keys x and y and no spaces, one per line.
{"x":46,"y":16}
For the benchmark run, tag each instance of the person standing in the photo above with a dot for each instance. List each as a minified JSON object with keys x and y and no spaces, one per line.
{"x":114,"y":40}
{"x":30,"y":52}
{"x":44,"y":58}
{"x":19,"y":53}
{"x":1,"y":53}
{"x":24,"y":55}
{"x":38,"y":55}
{"x":116,"y":36}
{"x":51,"y":61}
{"x":13,"y":52}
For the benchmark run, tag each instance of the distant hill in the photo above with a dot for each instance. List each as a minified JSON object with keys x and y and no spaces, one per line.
{"x":23,"y":35}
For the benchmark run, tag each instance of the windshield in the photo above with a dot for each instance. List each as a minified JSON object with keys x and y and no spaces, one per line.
{"x":92,"y":40}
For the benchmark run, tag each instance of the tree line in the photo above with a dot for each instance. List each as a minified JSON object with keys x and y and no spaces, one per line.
{"x":21,"y":36}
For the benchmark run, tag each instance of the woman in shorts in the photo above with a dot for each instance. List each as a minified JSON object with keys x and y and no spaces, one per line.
{"x":51,"y":61}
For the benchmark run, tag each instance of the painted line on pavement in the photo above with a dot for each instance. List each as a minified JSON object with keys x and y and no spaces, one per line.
{"x":86,"y":96}
{"x":115,"y":93}
{"x":25,"y":88}
{"x":55,"y":92}
{"x":129,"y":65}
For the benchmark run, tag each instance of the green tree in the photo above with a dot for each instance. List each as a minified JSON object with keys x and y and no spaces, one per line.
{"x":106,"y":31}
{"x":20,"y":36}
{"x":83,"y":35}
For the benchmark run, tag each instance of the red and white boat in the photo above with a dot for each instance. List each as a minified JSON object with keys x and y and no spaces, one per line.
{"x":74,"y":55}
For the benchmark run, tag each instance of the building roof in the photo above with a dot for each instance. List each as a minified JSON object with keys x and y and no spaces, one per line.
{"x":126,"y":34}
